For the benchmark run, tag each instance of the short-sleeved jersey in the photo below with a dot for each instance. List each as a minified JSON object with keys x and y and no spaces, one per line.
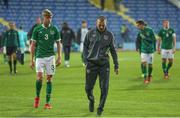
{"x":166,"y":36}
{"x":147,"y":40}
{"x":11,"y":38}
{"x":45,"y":39}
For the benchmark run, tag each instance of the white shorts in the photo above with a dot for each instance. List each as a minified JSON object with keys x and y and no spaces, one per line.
{"x":47,"y":64}
{"x":167,"y":54}
{"x":147,"y":58}
{"x":81,"y":47}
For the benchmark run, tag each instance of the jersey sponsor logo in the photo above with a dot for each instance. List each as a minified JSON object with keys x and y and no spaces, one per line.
{"x":167,"y":35}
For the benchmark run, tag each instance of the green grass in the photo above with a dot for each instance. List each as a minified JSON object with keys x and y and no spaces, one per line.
{"x":127,"y":97}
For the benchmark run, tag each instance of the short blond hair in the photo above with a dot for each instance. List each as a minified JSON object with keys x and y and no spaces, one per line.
{"x":47,"y":12}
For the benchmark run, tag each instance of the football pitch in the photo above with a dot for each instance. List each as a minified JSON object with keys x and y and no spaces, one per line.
{"x":127,"y":97}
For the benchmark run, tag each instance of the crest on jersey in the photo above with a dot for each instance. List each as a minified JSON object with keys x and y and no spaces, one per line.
{"x":170,"y":32}
{"x":52,"y":32}
{"x":147,"y":33}
{"x":106,"y":37}
{"x":142,"y":36}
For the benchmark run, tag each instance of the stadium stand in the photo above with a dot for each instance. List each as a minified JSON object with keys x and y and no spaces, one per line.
{"x":24,"y":13}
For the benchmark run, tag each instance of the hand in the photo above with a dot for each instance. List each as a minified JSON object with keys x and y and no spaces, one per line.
{"x":4,"y":50}
{"x":116,"y":71}
{"x":159,"y":51}
{"x":32,"y":64}
{"x":174,"y":50}
{"x":58,"y":61}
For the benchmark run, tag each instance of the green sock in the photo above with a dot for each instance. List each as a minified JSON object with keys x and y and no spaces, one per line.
{"x":38,"y":87}
{"x":164,"y":67}
{"x":10,"y":65}
{"x":150,"y":69}
{"x":169,"y":66}
{"x":141,"y":67}
{"x":5,"y":58}
{"x":144,"y":69}
{"x":48,"y":91}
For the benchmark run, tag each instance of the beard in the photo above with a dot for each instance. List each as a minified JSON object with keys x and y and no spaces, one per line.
{"x":101,"y":28}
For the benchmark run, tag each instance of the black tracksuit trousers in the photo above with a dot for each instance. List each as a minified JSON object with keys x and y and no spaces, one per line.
{"x":67,"y":50}
{"x":94,"y":69}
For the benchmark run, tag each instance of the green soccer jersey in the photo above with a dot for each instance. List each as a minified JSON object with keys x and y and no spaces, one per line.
{"x":147,"y":41}
{"x":166,"y":36}
{"x":45,"y":39}
{"x":11,"y":38}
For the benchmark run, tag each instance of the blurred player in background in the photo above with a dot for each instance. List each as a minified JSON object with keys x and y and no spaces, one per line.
{"x":23,"y":43}
{"x":38,"y":22}
{"x":43,"y":38}
{"x":81,"y":36}
{"x":146,"y":43}
{"x":11,"y":40}
{"x":67,"y":36}
{"x":167,"y":42}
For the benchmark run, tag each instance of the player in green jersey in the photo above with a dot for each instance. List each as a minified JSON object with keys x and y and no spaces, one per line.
{"x":167,"y":42}
{"x":146,"y":42}
{"x":11,"y":40}
{"x":43,"y":39}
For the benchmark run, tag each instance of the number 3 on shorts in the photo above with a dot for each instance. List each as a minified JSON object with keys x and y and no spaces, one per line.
{"x":52,"y":68}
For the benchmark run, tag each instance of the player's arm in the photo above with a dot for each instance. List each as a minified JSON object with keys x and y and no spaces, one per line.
{"x":4,"y":42}
{"x":159,"y":45}
{"x":58,"y":61}
{"x":138,"y":44}
{"x":174,"y":43}
{"x":114,"y":55}
{"x":58,"y":42}
{"x":86,"y":47}
{"x":32,"y":51}
{"x":33,"y":47}
{"x":18,"y":39}
{"x":154,"y":39}
{"x":159,"y":42}
{"x":73,"y":35}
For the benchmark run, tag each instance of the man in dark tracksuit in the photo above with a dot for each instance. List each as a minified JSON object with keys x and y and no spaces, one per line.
{"x":97,"y":44}
{"x":67,"y":35}
{"x":12,"y":43}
